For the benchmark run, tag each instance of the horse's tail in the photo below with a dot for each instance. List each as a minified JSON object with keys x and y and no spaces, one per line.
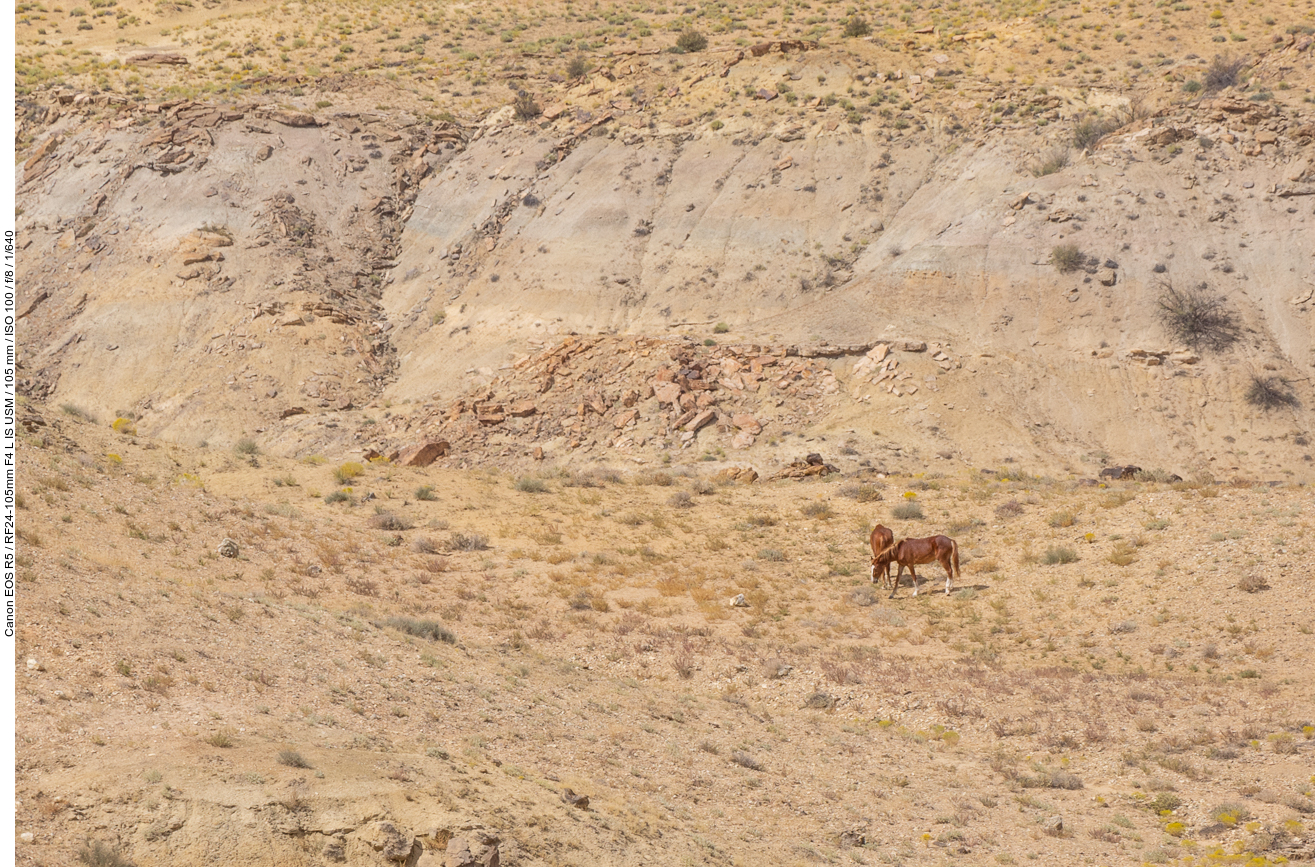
{"x":954,"y":553}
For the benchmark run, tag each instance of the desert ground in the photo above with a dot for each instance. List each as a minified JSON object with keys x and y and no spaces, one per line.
{"x":450,"y":432}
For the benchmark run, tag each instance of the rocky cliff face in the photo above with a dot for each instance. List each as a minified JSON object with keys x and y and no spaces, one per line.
{"x":249,"y":270}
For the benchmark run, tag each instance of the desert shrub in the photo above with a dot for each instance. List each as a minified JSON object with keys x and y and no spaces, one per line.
{"x":1122,"y":554}
{"x":908,"y":510}
{"x":680,"y":500}
{"x":1090,"y":130}
{"x":1224,"y":71}
{"x":821,"y":511}
{"x":468,"y":542}
{"x":430,"y":629}
{"x":293,"y":759}
{"x":425,"y":492}
{"x":124,"y":426}
{"x":529,"y":485}
{"x":1269,"y":392}
{"x":1011,"y":509}
{"x":246,"y":446}
{"x":1064,"y":780}
{"x":338,"y":497}
{"x":864,"y":492}
{"x":98,"y":854}
{"x":1050,"y":162}
{"x":1067,"y":258}
{"x":1197,"y":316}
{"x":1230,"y":814}
{"x":1154,"y":475}
{"x":577,"y":66}
{"x":856,"y":26}
{"x":526,"y":107}
{"x":223,"y":740}
{"x":1057,"y":555}
{"x":771,"y":554}
{"x":1164,"y":801}
{"x":385,"y":520}
{"x":77,"y":412}
{"x":1063,"y":519}
{"x":690,"y":41}
{"x":1252,"y":584}
{"x":348,"y":471}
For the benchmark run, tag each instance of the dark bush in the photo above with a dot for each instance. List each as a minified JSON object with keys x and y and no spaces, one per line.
{"x":577,"y":66}
{"x":1269,"y":392}
{"x":1224,"y":71}
{"x":526,"y":107}
{"x":1197,"y":317}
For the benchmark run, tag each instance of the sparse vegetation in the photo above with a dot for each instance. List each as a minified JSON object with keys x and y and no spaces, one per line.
{"x":293,"y":759}
{"x":98,"y":854}
{"x":1223,"y":72}
{"x":909,"y":510}
{"x":429,"y":629}
{"x":1057,"y":555}
{"x":1051,"y":161}
{"x":1197,"y":316}
{"x":1270,"y":392}
{"x":1067,"y":258}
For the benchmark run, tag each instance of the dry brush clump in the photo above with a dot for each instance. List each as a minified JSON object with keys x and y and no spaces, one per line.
{"x":1197,"y":317}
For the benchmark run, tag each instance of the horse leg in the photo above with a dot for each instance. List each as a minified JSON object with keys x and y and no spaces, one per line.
{"x":945,"y":561}
{"x":915,"y":579}
{"x":894,"y":588}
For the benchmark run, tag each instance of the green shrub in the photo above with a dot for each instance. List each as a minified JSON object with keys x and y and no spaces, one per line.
{"x":690,"y":41}
{"x":528,"y":485}
{"x":577,"y":67}
{"x":856,"y":26}
{"x":425,"y":492}
{"x":526,"y":106}
{"x":246,"y":446}
{"x":1058,"y":555}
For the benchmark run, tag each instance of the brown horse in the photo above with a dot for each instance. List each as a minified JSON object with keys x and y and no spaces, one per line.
{"x":916,"y":552}
{"x":882,"y":539}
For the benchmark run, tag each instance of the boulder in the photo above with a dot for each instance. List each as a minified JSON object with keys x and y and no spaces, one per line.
{"x":475,"y":848}
{"x":292,"y":118}
{"x":747,"y":423}
{"x":522,"y":409}
{"x":424,"y":454}
{"x":909,"y":345}
{"x":743,"y":475}
{"x":1107,"y":276}
{"x":743,"y":440}
{"x":700,"y":421}
{"x":228,"y":548}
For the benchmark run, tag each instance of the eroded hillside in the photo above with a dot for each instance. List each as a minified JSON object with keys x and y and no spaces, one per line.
{"x":221,"y":270}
